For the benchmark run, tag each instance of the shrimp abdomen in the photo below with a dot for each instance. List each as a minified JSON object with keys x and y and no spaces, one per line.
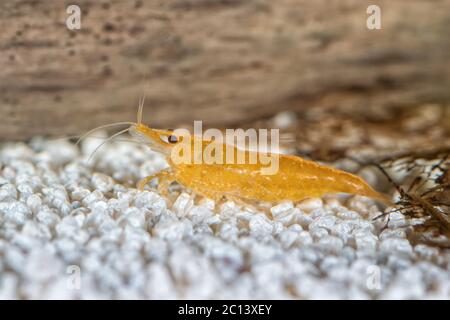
{"x":296,"y":179}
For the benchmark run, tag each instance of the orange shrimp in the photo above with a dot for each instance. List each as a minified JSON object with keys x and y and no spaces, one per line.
{"x":295,"y":180}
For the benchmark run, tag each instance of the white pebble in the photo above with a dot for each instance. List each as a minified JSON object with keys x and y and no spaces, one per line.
{"x":426,"y":252}
{"x":282,"y":208}
{"x":7,"y":192}
{"x":304,"y":238}
{"x":260,"y":225}
{"x":79,"y":193}
{"x":36,"y":230}
{"x":287,"y":238}
{"x":8,"y":286}
{"x":318,"y":233}
{"x":102,"y":182}
{"x":331,"y":244}
{"x":159,"y":284}
{"x":61,"y":151}
{"x":396,"y":245}
{"x":182,"y":205}
{"x":15,"y":259}
{"x":15,"y":212}
{"x":284,"y":119}
{"x":326,"y":222}
{"x":393,"y":233}
{"x":311,"y":204}
{"x":47,"y":217}
{"x":365,"y":241}
{"x":93,"y":197}
{"x":42,"y":265}
{"x":285,"y":213}
{"x":199,"y":214}
{"x":170,"y":228}
{"x":34,"y":202}
{"x":150,"y":201}
{"x":132,"y":217}
{"x":228,"y":231}
{"x":397,"y":220}
{"x":303,"y":219}
{"x":25,"y":190}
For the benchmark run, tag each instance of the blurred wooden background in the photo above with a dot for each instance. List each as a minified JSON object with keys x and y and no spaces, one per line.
{"x":226,"y":62}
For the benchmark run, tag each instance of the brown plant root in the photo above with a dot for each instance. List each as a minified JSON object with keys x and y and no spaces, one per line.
{"x":424,"y":193}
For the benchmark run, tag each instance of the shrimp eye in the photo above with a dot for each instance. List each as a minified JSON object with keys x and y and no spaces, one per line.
{"x":172,"y":139}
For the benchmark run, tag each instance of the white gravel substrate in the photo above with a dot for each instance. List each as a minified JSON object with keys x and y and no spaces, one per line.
{"x":69,"y":229}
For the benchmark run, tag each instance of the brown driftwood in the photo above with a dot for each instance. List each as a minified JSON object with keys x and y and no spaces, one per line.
{"x":222,"y":61}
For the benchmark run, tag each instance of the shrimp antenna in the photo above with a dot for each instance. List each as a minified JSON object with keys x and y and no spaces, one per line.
{"x":102,"y":127}
{"x":140,"y":109}
{"x":142,"y":101}
{"x":107,"y":140}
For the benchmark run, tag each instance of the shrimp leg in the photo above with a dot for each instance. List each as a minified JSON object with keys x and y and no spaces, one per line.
{"x":165,"y":178}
